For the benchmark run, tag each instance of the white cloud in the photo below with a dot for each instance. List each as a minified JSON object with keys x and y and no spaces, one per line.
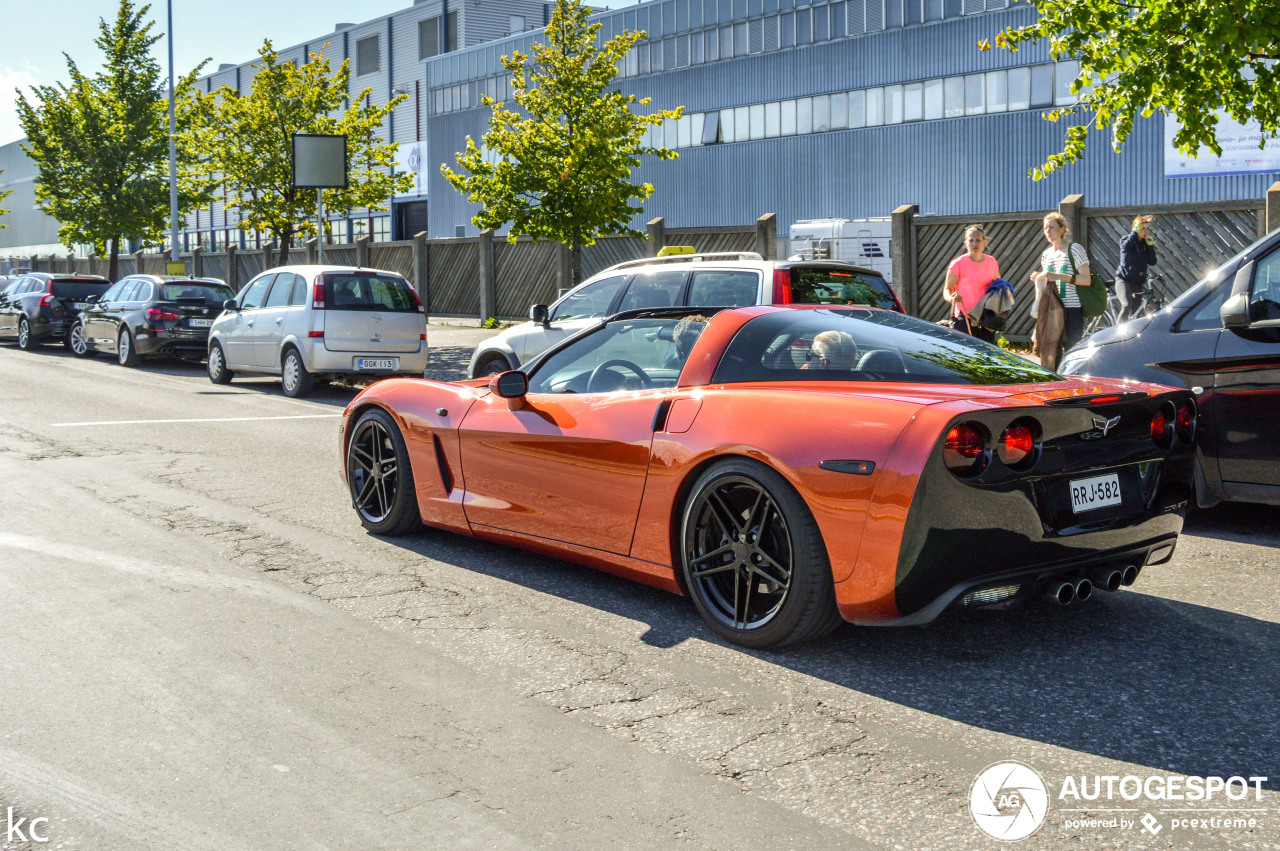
{"x":10,"y":79}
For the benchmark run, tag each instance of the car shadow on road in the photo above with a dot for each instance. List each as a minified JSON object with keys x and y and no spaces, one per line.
{"x":1175,"y":686}
{"x":1242,"y":522}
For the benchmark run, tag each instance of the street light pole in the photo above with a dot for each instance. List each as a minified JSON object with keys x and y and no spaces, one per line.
{"x":173,"y":156}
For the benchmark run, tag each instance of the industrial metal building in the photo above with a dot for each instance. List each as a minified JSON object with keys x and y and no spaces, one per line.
{"x":803,"y":108}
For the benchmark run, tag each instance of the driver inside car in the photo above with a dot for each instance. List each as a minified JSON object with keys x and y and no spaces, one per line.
{"x":832,"y":350}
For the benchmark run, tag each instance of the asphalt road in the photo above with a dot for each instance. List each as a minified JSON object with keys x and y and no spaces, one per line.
{"x":202,"y":648}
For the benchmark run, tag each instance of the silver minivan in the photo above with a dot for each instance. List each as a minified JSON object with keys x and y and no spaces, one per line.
{"x":309,"y":323}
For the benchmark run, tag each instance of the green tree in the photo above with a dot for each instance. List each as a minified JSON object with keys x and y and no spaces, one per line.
{"x":248,"y":143}
{"x":1185,"y":58}
{"x":4,"y":194}
{"x":563,"y":163}
{"x":101,"y":143}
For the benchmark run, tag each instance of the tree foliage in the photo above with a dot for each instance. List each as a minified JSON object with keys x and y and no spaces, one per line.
{"x":4,"y":194}
{"x":101,"y":143}
{"x":1185,"y":58}
{"x":562,"y":164}
{"x":248,"y":143}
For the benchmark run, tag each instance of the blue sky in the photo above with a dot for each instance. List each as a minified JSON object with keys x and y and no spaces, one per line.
{"x":38,"y":32}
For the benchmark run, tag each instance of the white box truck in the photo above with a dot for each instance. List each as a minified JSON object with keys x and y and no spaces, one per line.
{"x":861,"y":242}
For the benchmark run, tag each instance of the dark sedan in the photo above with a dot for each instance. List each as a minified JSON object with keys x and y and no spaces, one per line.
{"x":151,"y":315}
{"x":1221,"y":340}
{"x":43,"y":306}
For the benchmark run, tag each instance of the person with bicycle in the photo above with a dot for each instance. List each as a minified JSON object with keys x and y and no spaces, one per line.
{"x":1137,"y":253}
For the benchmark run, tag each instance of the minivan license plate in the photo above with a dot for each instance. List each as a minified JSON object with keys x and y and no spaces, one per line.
{"x":1098,"y":492}
{"x":200,"y":323}
{"x":376,"y":363}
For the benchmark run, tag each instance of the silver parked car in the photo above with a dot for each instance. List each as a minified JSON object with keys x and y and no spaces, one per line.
{"x":305,"y":323}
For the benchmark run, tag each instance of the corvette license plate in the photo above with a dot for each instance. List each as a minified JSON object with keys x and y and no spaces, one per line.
{"x":1098,"y":492}
{"x":200,"y":323}
{"x":377,"y":363}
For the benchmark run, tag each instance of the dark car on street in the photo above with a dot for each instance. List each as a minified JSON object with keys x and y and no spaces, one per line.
{"x":1221,"y":340}
{"x":41,"y":306}
{"x":151,"y":315}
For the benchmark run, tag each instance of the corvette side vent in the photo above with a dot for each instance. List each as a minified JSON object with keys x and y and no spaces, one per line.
{"x":446,"y":478}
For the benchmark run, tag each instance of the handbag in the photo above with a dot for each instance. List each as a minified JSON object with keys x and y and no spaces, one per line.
{"x":993,"y":309}
{"x":1093,"y":298}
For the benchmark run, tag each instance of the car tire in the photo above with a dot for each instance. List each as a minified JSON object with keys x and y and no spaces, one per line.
{"x":492,"y":364}
{"x":25,"y":341}
{"x":126,"y":352}
{"x":218,"y":372}
{"x":294,"y":378}
{"x":76,"y":342}
{"x":379,"y":476}
{"x":746,"y":532}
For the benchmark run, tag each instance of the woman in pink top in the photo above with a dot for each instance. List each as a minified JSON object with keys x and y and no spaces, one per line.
{"x":967,"y":278}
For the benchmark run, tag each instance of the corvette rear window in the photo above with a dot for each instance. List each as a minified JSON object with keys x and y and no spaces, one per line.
{"x":820,"y":285}
{"x":866,"y":345}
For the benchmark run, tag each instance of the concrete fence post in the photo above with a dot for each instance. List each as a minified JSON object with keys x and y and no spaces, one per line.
{"x":903,"y":254}
{"x":268,"y":254}
{"x":71,"y":264}
{"x":657,"y":236}
{"x":362,"y":251}
{"x":233,"y":271}
{"x":93,"y":264}
{"x":422,"y":269}
{"x":1071,"y":208}
{"x":137,"y":262}
{"x":313,"y":250}
{"x":1272,"y":214}
{"x":197,"y":262}
{"x":767,"y":236}
{"x":564,"y":268}
{"x":488,"y":292}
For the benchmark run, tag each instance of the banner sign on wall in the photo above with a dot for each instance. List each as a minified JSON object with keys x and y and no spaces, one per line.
{"x":411,"y":157}
{"x":1240,"y":151}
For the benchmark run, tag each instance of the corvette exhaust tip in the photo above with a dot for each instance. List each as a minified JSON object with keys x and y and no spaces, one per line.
{"x":1060,"y":591}
{"x":1084,"y":589}
{"x":1107,"y":578}
{"x":1130,"y":575}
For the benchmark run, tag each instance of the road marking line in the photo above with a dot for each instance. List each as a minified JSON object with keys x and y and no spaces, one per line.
{"x":208,"y":420}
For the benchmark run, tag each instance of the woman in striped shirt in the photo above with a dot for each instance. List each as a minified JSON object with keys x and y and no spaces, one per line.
{"x":1056,"y":277}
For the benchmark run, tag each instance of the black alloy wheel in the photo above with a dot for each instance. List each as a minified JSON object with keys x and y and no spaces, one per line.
{"x":379,"y":476}
{"x":218,"y":372}
{"x":753,"y":558}
{"x":126,"y":354}
{"x":76,"y":342}
{"x":25,"y":341}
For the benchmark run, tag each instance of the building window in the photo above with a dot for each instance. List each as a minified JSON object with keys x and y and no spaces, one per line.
{"x":997,"y":91}
{"x":756,"y":121}
{"x":839,"y":111}
{"x":974,"y":94}
{"x":1066,"y":74}
{"x":821,"y":113}
{"x":804,"y":27}
{"x":1041,"y":85}
{"x":788,"y":27}
{"x":933,"y":99}
{"x":772,"y":119}
{"x":893,"y":104}
{"x":953,"y":98}
{"x":857,"y":109}
{"x":450,"y":39}
{"x":788,"y":118}
{"x":711,"y":128}
{"x":515,"y":24}
{"x":382,"y":229}
{"x":367,"y":56}
{"x":429,"y":38}
{"x":699,"y":124}
{"x":1019,"y":88}
{"x":913,"y":102}
{"x":875,"y":107}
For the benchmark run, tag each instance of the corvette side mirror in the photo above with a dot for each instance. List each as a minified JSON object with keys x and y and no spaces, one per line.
{"x":512,"y":384}
{"x":538,"y":313}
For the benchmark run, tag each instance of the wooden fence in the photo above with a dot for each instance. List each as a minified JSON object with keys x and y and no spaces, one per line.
{"x":1191,"y":240}
{"x":453,"y":276}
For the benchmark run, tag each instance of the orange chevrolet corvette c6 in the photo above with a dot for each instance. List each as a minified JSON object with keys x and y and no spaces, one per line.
{"x":789,"y":467}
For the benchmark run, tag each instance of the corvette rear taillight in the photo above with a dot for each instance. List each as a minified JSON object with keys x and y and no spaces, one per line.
{"x":155,"y":314}
{"x":1018,"y":443}
{"x":1185,"y":423}
{"x":317,"y":294}
{"x":964,"y":450}
{"x":1161,"y":427}
{"x":781,"y":286}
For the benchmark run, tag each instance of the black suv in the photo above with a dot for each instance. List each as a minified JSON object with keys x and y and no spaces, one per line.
{"x":42,"y":306}
{"x":145,"y":315}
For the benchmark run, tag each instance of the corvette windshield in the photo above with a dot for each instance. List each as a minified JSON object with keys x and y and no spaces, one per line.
{"x":866,"y":345}
{"x":631,"y":354}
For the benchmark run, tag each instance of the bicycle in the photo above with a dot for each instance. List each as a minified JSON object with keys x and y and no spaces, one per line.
{"x":1153,"y":302}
